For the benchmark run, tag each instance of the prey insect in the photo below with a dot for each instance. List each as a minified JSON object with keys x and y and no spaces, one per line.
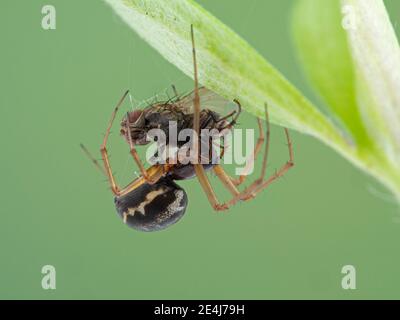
{"x":154,"y":201}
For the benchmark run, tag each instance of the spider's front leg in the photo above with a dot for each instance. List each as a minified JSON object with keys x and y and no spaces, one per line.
{"x":149,"y":179}
{"x":150,"y":176}
{"x":103,"y":149}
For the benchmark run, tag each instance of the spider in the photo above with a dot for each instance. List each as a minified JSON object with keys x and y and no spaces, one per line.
{"x":154,"y":201}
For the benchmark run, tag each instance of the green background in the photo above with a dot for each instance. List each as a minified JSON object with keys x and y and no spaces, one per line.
{"x":58,"y":89}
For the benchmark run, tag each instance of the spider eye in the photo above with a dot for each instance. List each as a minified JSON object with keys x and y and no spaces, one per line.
{"x":152,"y":207}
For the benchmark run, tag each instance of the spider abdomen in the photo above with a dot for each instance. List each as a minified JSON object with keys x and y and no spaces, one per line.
{"x":152,"y":207}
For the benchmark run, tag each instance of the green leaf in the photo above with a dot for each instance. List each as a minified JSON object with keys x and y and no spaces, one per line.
{"x":351,"y":56}
{"x":343,"y":58}
{"x":325,"y":54}
{"x":229,"y":66}
{"x":376,"y":59}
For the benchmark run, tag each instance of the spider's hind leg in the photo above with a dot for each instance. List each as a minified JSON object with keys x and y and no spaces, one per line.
{"x":261,"y":183}
{"x":251,"y":159}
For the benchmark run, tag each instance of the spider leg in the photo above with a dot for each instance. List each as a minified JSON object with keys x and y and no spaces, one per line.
{"x":256,"y":186}
{"x":103,"y":149}
{"x":155,"y":172}
{"x":200,"y":172}
{"x":289,"y":164}
{"x":261,"y":183}
{"x":136,"y":157}
{"x":226,"y":180}
{"x":93,"y":159}
{"x":251,"y":159}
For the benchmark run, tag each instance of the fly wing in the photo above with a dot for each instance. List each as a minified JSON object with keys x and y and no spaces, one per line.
{"x":208,"y":100}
